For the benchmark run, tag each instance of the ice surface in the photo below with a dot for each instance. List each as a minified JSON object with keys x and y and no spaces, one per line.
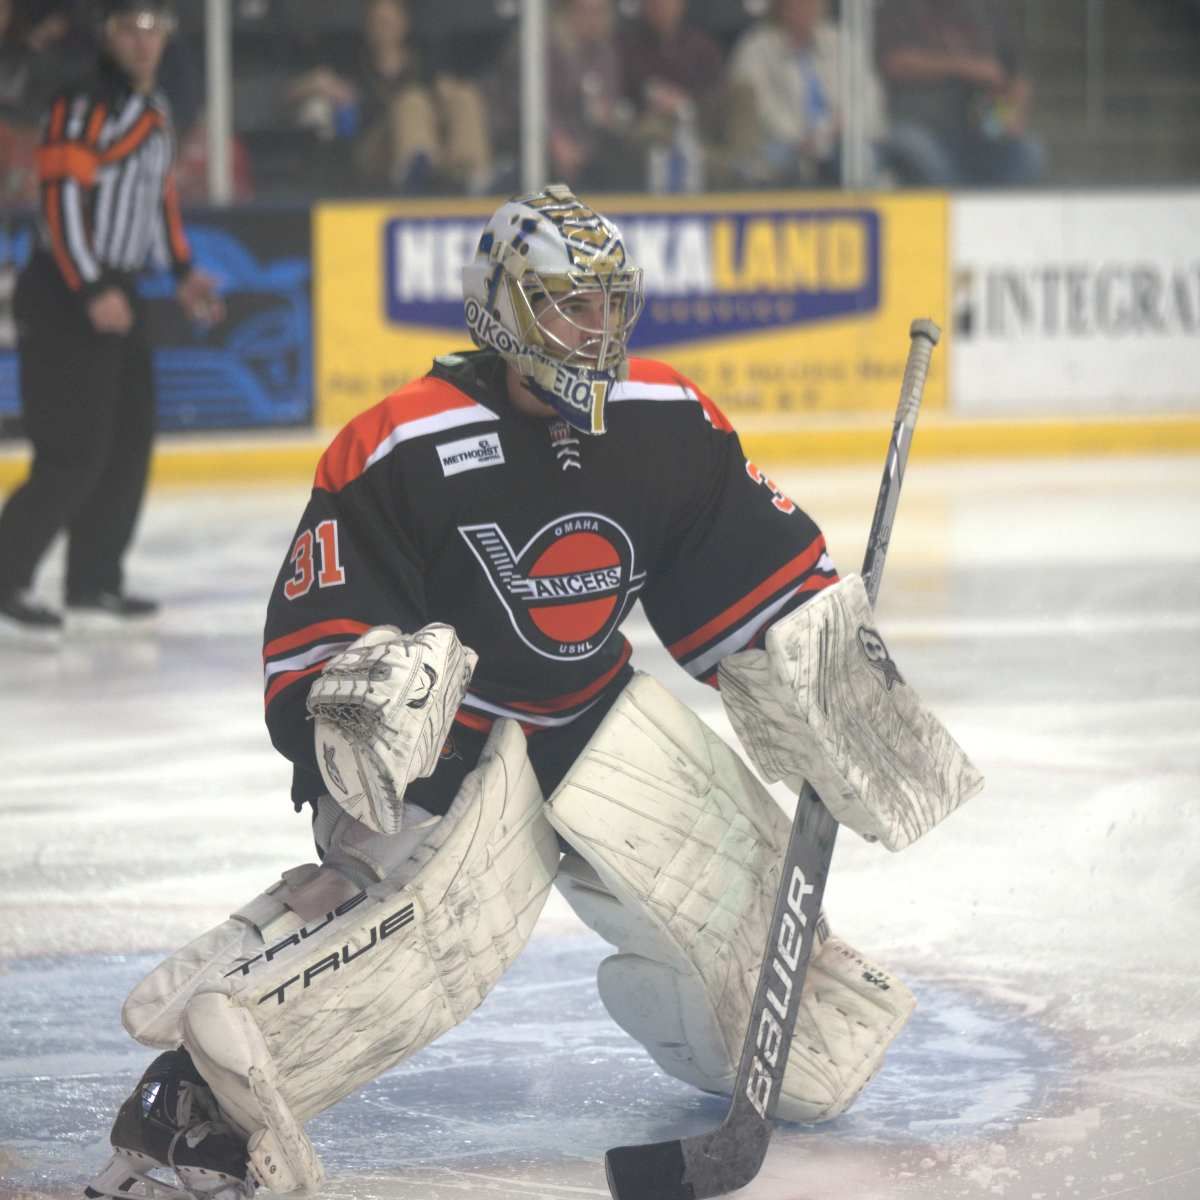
{"x":1049,"y":612}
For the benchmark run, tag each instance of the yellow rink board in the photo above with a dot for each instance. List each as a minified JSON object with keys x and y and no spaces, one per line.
{"x":780,"y":305}
{"x":237,"y":459}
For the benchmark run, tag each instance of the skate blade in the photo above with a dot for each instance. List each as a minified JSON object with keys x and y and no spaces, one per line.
{"x":126,"y":1177}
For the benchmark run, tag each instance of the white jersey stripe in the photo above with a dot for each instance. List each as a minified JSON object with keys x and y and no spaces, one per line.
{"x":631,"y":389}
{"x":81,"y":252}
{"x":498,"y":710}
{"x":305,"y":658}
{"x":451,"y":418}
{"x":737,"y":640}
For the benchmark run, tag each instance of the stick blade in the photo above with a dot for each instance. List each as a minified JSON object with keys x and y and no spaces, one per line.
{"x":652,"y":1172}
{"x":696,"y":1168}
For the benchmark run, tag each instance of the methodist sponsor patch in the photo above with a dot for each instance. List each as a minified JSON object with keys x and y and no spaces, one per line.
{"x":568,"y":587}
{"x":469,"y":453}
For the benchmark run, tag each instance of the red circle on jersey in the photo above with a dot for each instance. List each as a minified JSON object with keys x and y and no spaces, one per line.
{"x":577,"y":567}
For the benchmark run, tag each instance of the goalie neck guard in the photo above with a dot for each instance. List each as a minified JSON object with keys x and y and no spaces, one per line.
{"x":552,"y":289}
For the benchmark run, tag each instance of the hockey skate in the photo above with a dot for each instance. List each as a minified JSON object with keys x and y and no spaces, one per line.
{"x":171,"y":1122}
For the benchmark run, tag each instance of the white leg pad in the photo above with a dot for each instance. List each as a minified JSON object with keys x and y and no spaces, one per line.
{"x":683,"y":848}
{"x":231,"y":1053}
{"x":294,"y":907}
{"x":291,"y":1025}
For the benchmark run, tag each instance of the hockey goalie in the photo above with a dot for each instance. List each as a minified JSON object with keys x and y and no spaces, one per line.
{"x":444,"y":667}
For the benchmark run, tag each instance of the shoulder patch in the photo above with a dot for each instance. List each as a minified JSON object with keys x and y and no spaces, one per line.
{"x":426,"y":407}
{"x":470,"y":453}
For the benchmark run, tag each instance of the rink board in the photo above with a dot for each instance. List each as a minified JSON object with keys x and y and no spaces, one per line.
{"x":256,"y":459}
{"x":786,"y":304}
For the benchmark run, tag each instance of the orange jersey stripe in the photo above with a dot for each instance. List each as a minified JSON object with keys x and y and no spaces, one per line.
{"x":312,"y":633}
{"x":473,"y":721}
{"x":143,"y":127}
{"x":484,"y":724}
{"x":715,"y":415}
{"x":95,"y":123}
{"x":58,"y":118}
{"x":58,"y":243}
{"x":287,"y":678}
{"x":178,"y":239}
{"x":348,"y":453}
{"x":67,"y":160}
{"x":773,"y":583}
{"x":561,"y":703}
{"x":650,"y":370}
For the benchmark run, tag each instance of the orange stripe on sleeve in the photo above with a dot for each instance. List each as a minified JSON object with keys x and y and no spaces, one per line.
{"x":143,"y":127}
{"x":287,"y":678}
{"x":95,"y":124}
{"x":67,"y":160}
{"x":58,"y":118}
{"x":58,"y":243}
{"x":313,"y":633}
{"x":773,"y":583}
{"x":180,"y":251}
{"x":473,"y":721}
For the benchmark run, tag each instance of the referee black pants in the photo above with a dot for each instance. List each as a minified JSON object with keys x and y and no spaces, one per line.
{"x":87,"y":400}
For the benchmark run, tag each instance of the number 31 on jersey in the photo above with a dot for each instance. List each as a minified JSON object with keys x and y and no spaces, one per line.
{"x":305,"y":551}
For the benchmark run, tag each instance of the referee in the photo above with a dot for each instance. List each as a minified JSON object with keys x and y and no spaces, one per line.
{"x":108,"y":204}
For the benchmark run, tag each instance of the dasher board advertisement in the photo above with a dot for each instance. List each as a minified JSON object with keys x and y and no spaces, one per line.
{"x":1067,"y":304}
{"x":251,"y":371}
{"x":774,"y":304}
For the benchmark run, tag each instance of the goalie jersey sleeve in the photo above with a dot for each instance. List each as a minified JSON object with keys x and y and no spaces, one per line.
{"x":350,"y":566}
{"x":741,"y":555}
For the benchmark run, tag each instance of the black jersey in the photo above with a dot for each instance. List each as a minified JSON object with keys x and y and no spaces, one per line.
{"x":446,"y":503}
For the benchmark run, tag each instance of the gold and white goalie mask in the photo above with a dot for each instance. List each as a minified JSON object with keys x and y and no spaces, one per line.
{"x":553,"y":290}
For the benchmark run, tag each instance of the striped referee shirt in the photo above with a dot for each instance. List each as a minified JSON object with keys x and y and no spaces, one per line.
{"x":108,"y":197}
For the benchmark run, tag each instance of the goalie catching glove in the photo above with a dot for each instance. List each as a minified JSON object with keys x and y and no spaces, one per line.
{"x":826,"y":703}
{"x":383,"y":709}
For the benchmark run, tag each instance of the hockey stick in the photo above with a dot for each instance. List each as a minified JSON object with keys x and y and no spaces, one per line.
{"x":729,"y":1157}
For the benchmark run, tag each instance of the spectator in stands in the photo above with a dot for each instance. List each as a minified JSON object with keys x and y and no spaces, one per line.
{"x":27,"y":76}
{"x":26,"y":68}
{"x":589,"y":140}
{"x":789,"y":64}
{"x":672,"y":78}
{"x":191,"y":167}
{"x":414,"y":129}
{"x":958,"y":99}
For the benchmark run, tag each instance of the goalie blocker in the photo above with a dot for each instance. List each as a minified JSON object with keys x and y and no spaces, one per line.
{"x":825,"y":702}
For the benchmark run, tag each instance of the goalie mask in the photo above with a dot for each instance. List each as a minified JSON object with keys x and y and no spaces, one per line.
{"x":552,"y":289}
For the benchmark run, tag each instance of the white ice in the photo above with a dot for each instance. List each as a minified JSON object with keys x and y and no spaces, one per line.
{"x":1049,"y":612}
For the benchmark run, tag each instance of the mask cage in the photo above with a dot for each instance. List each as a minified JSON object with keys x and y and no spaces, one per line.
{"x":595,"y":332}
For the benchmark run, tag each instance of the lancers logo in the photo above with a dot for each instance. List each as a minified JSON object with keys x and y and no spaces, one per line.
{"x":568,"y":587}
